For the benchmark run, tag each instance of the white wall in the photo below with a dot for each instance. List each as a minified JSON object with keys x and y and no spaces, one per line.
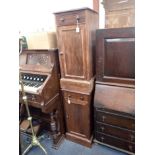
{"x":101,"y":15}
{"x":38,"y":15}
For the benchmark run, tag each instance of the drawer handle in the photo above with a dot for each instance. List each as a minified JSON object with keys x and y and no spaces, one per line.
{"x":102,"y":128}
{"x":61,"y":53}
{"x":81,"y":98}
{"x":102,"y":138}
{"x":77,"y":17}
{"x":103,"y":118}
{"x":33,"y":98}
{"x":132,"y":137}
{"x":69,"y":101}
{"x":130,"y":147}
{"x":62,"y":19}
{"x":67,"y":116}
{"x":77,"y":24}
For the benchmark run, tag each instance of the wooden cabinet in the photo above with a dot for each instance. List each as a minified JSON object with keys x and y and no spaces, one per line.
{"x":78,"y":116}
{"x":77,"y":113}
{"x":115,"y":129}
{"x":114,"y":100}
{"x":119,"y":13}
{"x":73,"y":52}
{"x":115,"y":56}
{"x":76,"y":41}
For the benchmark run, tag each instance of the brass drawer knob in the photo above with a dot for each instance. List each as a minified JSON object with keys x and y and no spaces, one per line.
{"x":102,"y":138}
{"x":61,"y":53}
{"x":33,"y":98}
{"x":67,"y":116}
{"x":102,"y":128}
{"x":81,"y":98}
{"x":77,"y":17}
{"x":62,"y":19}
{"x":130,"y":147}
{"x":132,"y":137}
{"x":103,"y":118}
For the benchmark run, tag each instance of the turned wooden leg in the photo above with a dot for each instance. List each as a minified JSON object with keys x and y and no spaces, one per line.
{"x":55,"y":128}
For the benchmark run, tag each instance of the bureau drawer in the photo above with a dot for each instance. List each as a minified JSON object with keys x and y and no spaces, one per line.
{"x":116,"y":142}
{"x":70,"y":18}
{"x":124,"y":134}
{"x":75,"y":98}
{"x":115,"y":119}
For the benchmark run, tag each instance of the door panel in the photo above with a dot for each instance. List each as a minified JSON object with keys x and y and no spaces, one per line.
{"x":77,"y":119}
{"x":72,"y":52}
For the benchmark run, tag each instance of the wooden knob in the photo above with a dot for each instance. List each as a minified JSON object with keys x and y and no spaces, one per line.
{"x":81,"y":98}
{"x":102,"y":128}
{"x":69,"y":101}
{"x":77,"y":17}
{"x":132,"y":137}
{"x":103,"y":118}
{"x":102,"y":138}
{"x":130,"y":147}
{"x":61,"y":53}
{"x":62,"y":19}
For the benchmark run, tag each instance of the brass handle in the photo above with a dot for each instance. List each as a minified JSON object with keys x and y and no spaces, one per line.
{"x":77,"y":24}
{"x":33,"y":98}
{"x":77,"y":17}
{"x":67,"y":116}
{"x":130,"y":147}
{"x":82,"y":98}
{"x":103,"y":118}
{"x":62,"y":19}
{"x":102,"y":128}
{"x":69,"y":101}
{"x":42,"y":104}
{"x":132,"y":137}
{"x":102,"y":138}
{"x":61,"y":53}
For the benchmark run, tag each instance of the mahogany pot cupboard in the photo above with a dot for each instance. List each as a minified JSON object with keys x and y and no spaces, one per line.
{"x":76,"y":31}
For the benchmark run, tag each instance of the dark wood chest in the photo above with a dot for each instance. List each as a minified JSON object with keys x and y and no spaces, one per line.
{"x":114,"y":101}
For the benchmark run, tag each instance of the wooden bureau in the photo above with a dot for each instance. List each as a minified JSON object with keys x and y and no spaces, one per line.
{"x":114,"y":100}
{"x":76,"y":42}
{"x":119,"y":13}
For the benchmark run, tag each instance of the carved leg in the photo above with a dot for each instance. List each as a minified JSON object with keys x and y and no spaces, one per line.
{"x":55,"y":128}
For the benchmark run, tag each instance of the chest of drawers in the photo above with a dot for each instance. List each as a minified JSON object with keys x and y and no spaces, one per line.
{"x":113,"y":127}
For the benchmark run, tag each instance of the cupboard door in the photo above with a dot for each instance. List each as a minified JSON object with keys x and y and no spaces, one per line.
{"x":77,"y":119}
{"x":72,"y":52}
{"x":115,"y":56}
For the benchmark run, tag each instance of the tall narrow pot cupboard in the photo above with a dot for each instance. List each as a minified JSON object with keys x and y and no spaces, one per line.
{"x":76,"y":39}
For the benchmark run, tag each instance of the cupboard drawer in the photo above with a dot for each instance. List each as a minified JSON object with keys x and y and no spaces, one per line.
{"x":116,"y":142}
{"x":76,"y":98}
{"x":70,"y":18}
{"x":115,"y":119}
{"x":124,"y":134}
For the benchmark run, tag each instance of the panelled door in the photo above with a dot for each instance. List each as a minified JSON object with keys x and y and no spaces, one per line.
{"x":77,"y":119}
{"x":72,"y":52}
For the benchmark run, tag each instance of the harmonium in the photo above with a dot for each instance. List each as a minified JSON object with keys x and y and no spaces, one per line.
{"x":40,"y":74}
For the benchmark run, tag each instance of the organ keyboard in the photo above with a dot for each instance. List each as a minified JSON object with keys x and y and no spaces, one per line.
{"x":32,"y":82}
{"x":40,"y":76}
